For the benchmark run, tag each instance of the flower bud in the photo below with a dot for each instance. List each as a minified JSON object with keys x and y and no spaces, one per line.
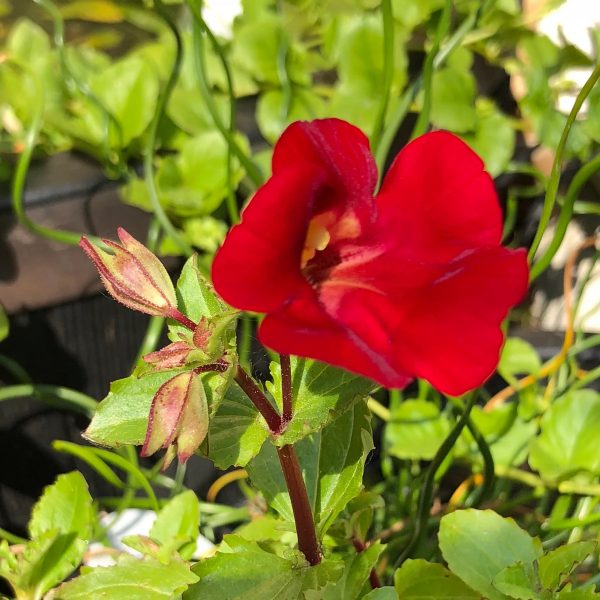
{"x":170,"y":357}
{"x":133,"y":275}
{"x":178,"y":418}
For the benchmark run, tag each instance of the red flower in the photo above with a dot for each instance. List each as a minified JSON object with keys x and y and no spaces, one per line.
{"x":412,"y":283}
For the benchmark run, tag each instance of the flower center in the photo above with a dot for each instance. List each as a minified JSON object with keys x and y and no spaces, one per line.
{"x":317,"y":239}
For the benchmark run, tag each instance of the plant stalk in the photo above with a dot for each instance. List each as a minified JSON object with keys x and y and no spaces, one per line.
{"x":305,"y":526}
{"x":286,"y":388}
{"x":259,"y":400}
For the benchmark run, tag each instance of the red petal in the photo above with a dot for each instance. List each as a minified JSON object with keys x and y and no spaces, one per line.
{"x":304,"y":329}
{"x":258,"y":266}
{"x":451,"y":335}
{"x":437,"y":200}
{"x":342,"y":150}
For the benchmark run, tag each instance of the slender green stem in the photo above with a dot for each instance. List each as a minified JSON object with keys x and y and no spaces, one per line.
{"x":489,"y":473}
{"x":388,"y":71}
{"x":51,"y":394}
{"x":394,"y":123}
{"x":287,"y":90}
{"x":593,"y":340}
{"x":86,"y":454}
{"x":151,"y":338}
{"x":511,"y":213}
{"x":74,"y":82}
{"x":130,"y":454}
{"x":251,"y":168}
{"x":232,"y":207}
{"x":149,"y":150}
{"x":15,"y":369}
{"x":179,"y":478}
{"x":442,"y":29}
{"x":11,"y":538}
{"x":426,"y":493}
{"x":411,"y":92}
{"x":245,"y":341}
{"x":588,"y":378}
{"x":20,"y":176}
{"x":378,"y":409}
{"x":580,"y":179}
{"x":118,"y":461}
{"x":554,"y":180}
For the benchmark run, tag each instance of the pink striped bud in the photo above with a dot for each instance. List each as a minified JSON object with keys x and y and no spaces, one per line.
{"x":133,"y":275}
{"x":178,"y":418}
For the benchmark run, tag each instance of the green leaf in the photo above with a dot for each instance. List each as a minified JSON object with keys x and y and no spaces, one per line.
{"x":122,"y":417}
{"x":46,"y":561}
{"x":236,"y":431}
{"x":411,"y":14}
{"x":453,"y":100}
{"x":466,"y":543}
{"x":128,"y":89}
{"x":196,"y":298}
{"x":416,"y":430}
{"x":358,"y":53}
{"x":130,"y":579}
{"x":419,"y":579}
{"x":518,"y":357}
{"x":580,"y":594}
{"x":4,"y":324}
{"x":275,"y":111}
{"x":242,"y":570}
{"x":356,"y":572}
{"x":60,"y":527}
{"x":179,"y":519}
{"x":568,"y":441}
{"x":360,"y":57}
{"x":493,"y":139}
{"x":65,"y":506}
{"x":384,"y":593}
{"x":332,"y":463}
{"x":557,"y":565}
{"x":201,"y":166}
{"x":28,"y":44}
{"x":518,"y":581}
{"x":258,"y":46}
{"x":321,"y":393}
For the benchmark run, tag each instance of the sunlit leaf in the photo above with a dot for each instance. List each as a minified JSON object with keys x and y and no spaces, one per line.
{"x":465,"y":541}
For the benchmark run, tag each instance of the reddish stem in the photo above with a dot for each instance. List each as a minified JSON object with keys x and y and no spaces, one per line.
{"x":218,"y":367}
{"x":178,"y":316}
{"x":286,"y":388}
{"x":305,"y":526}
{"x":373,"y":576}
{"x":258,"y":399}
